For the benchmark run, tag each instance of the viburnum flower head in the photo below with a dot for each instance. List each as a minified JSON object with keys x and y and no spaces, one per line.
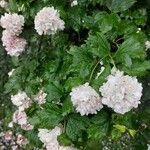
{"x":13,"y":23}
{"x":47,"y":21}
{"x":49,"y":137}
{"x":13,"y":44}
{"x":121,"y":92}
{"x":40,"y":98}
{"x":20,"y":117}
{"x":86,"y":100}
{"x":21,"y":100}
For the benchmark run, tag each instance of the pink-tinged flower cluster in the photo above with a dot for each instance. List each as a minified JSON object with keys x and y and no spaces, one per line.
{"x":86,"y":100}
{"x":13,"y":45}
{"x":20,"y":117}
{"x":49,"y":138}
{"x":40,"y":98}
{"x":22,"y":101}
{"x":10,"y":140}
{"x":13,"y":25}
{"x":47,"y":21}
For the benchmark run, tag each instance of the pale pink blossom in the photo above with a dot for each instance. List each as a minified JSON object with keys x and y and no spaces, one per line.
{"x":21,"y":140}
{"x":27,"y":127}
{"x":86,"y":100}
{"x":47,"y":21}
{"x":121,"y":92}
{"x":8,"y":135}
{"x":21,"y":100}
{"x":40,"y":98}
{"x":13,"y":44}
{"x":13,"y":23}
{"x":20,"y":117}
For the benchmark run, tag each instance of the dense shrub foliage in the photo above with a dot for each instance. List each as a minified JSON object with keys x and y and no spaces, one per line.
{"x":75,"y":74}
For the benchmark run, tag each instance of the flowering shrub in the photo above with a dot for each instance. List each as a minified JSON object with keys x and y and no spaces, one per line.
{"x":78,"y":73}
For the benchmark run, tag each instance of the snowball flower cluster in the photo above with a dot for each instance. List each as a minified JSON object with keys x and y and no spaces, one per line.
{"x":86,"y":100}
{"x":21,"y":100}
{"x":13,"y":44}
{"x":47,"y":21}
{"x":49,"y":138}
{"x":13,"y":23}
{"x":40,"y":98}
{"x":20,"y":117}
{"x":121,"y":92}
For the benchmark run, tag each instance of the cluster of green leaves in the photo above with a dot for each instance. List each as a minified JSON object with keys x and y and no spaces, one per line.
{"x":95,"y":31}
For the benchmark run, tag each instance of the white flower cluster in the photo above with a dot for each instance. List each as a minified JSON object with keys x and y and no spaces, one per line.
{"x":121,"y":92}
{"x":3,"y":4}
{"x":13,"y":25}
{"x":22,"y":101}
{"x":20,"y":117}
{"x":49,"y":138}
{"x":47,"y":21}
{"x":86,"y":100}
{"x":147,"y":44}
{"x":40,"y":98}
{"x":74,"y":3}
{"x":13,"y":44}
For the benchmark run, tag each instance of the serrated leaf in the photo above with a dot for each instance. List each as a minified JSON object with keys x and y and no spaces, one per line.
{"x":67,"y":107}
{"x":75,"y":126}
{"x":97,"y":131}
{"x":98,"y":45}
{"x":120,"y":5}
{"x":54,"y":91}
{"x":64,"y":140}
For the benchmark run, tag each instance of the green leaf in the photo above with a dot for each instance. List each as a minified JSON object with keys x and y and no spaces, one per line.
{"x":115,"y":134}
{"x":121,"y":128}
{"x":98,"y":131}
{"x":98,"y":45}
{"x":132,"y":132}
{"x":100,"y":118}
{"x":48,"y":117}
{"x":130,"y":49}
{"x":13,"y":6}
{"x":120,"y":5}
{"x":137,"y":68}
{"x":32,"y":137}
{"x":67,"y":107}
{"x":100,"y":125}
{"x":54,"y":91}
{"x":72,"y":82}
{"x":75,"y":126}
{"x":96,"y":83}
{"x":82,"y":61}
{"x":64,"y":140}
